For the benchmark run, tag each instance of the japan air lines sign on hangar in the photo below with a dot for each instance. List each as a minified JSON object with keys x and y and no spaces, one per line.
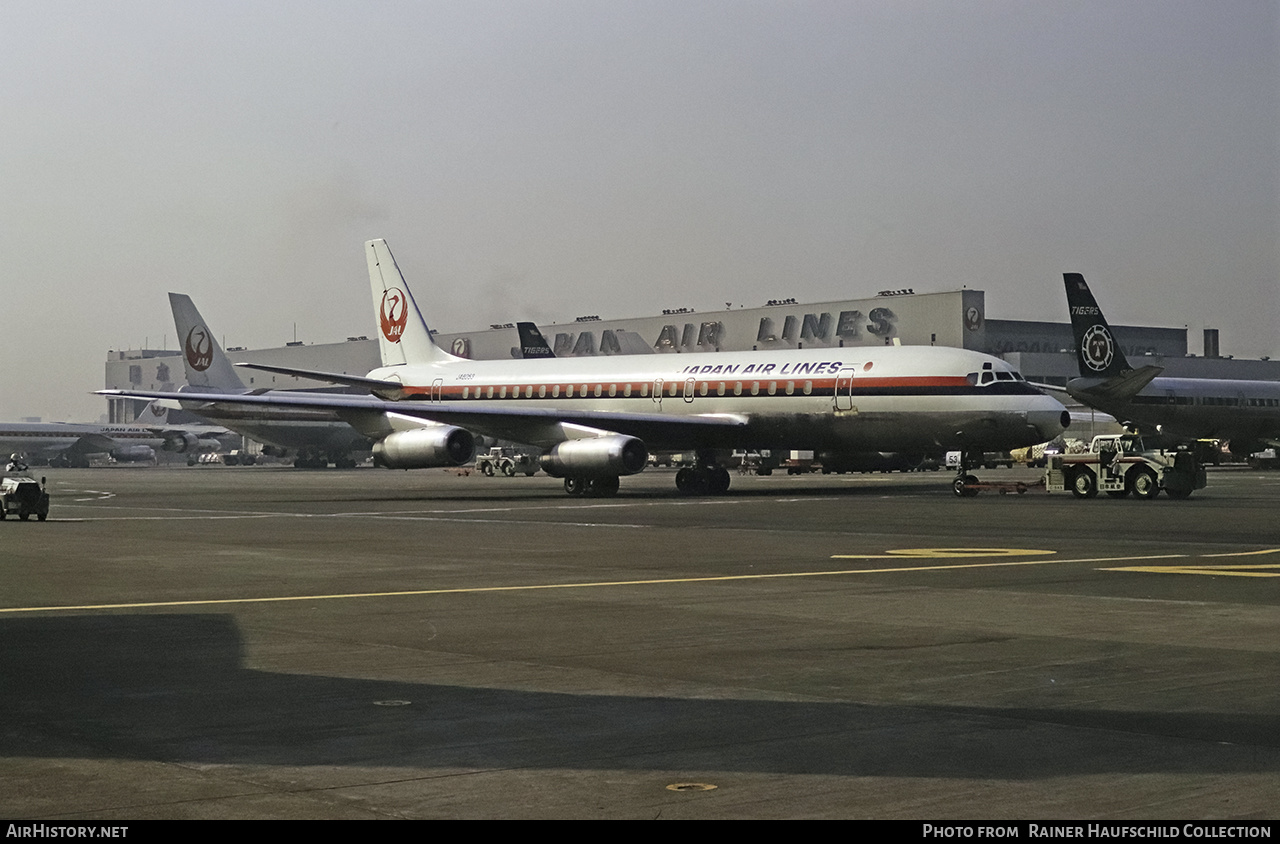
{"x":955,"y":318}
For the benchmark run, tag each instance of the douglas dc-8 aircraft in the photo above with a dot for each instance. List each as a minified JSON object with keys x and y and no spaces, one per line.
{"x":1245,"y":412}
{"x":597,"y":418}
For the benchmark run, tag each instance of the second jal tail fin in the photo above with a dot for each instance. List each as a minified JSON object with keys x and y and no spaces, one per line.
{"x":205,"y":363}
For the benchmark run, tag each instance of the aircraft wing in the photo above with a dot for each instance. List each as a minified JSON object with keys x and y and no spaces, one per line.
{"x":529,"y":425}
{"x":93,"y":444}
{"x":1050,"y":389}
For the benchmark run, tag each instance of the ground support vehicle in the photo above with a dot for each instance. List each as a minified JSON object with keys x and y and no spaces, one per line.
{"x":1119,"y":465}
{"x":505,"y":461}
{"x":1265,"y":459}
{"x":801,"y":463}
{"x":22,"y":497}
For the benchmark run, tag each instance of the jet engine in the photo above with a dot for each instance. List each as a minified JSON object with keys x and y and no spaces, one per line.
{"x":134,"y":454}
{"x":425,"y":448}
{"x":181,"y":442}
{"x":598,"y":457}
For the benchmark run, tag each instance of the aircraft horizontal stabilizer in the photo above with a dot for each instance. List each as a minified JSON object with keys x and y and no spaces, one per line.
{"x":332,"y":377}
{"x":1120,"y":387}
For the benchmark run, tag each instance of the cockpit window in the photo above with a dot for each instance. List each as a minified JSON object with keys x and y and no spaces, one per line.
{"x":989,"y":375}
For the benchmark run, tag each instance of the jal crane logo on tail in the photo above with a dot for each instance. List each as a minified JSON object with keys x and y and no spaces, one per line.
{"x":198,"y":348}
{"x":1097,"y":348}
{"x":393,"y":314}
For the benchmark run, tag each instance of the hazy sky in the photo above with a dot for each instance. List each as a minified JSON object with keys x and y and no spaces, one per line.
{"x":547,"y":159}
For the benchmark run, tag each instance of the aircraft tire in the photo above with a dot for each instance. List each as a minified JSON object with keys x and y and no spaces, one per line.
{"x":960,"y":486}
{"x":718,"y":480}
{"x":574,"y":486}
{"x":1084,"y":484}
{"x":1144,"y":484}
{"x":606,"y":487}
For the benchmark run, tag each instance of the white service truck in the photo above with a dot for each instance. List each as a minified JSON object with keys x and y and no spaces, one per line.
{"x":1120,"y":465}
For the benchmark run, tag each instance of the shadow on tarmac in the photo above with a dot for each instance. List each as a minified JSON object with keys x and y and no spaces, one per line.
{"x":174,"y":688}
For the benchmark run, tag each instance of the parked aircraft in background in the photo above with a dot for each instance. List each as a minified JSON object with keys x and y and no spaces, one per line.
{"x":316,"y":436}
{"x":64,"y":444}
{"x":532,"y":344}
{"x":1247,"y":413}
{"x":596,"y":419}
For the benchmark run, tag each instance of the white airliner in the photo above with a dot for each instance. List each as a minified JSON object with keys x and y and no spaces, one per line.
{"x":597,"y":418}
{"x":71,"y":443}
{"x":1247,"y":413}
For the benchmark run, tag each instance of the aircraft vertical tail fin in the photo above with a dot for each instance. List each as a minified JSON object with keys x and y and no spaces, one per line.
{"x":1097,"y":352}
{"x":206,"y":365}
{"x":532,"y":343}
{"x":403,"y":336}
{"x":152,"y":413}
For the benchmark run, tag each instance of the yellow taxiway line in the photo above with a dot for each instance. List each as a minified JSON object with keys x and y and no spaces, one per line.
{"x":1240,"y":570}
{"x":904,"y":554}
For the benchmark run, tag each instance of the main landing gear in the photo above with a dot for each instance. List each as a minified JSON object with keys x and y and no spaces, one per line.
{"x":703,"y":478}
{"x":605,"y":487}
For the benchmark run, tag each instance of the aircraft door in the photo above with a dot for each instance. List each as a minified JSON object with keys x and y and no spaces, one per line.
{"x":688,"y":391}
{"x":844,"y":390}
{"x":437,"y":388}
{"x":657,"y":392}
